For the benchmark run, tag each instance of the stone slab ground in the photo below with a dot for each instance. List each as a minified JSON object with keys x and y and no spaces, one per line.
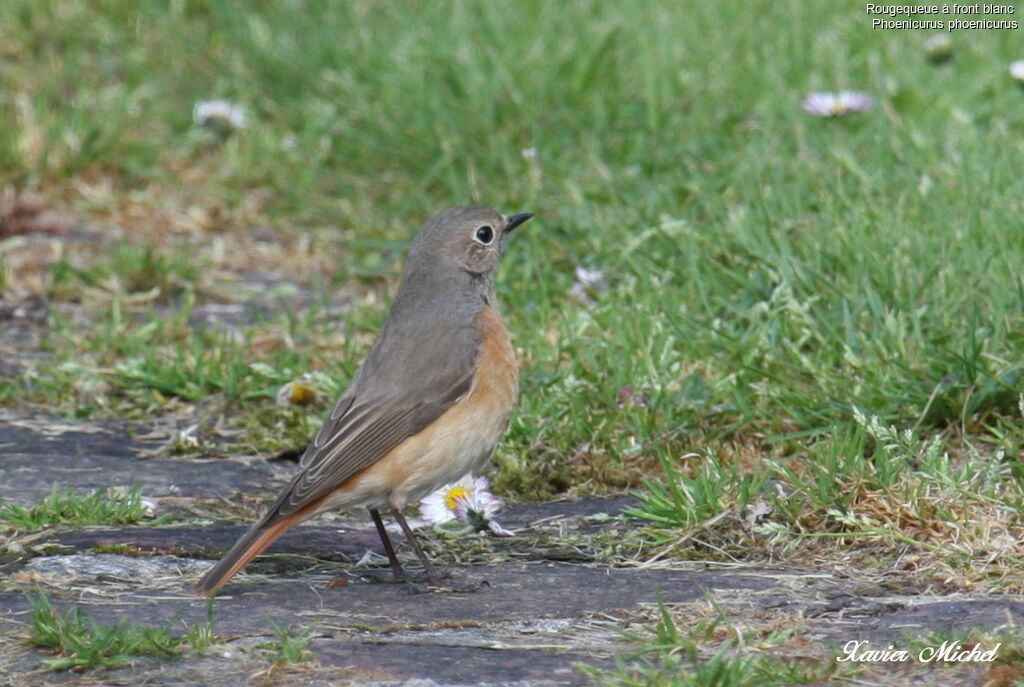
{"x":544,"y":601}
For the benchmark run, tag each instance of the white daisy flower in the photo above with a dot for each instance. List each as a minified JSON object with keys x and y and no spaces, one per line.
{"x":220,"y":116}
{"x":588,"y":277}
{"x":589,"y":284}
{"x":466,"y":501}
{"x":939,"y":48}
{"x":836,"y":104}
{"x":1017,"y":71}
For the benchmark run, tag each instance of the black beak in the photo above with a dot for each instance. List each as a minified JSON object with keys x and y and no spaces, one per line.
{"x":515,"y":220}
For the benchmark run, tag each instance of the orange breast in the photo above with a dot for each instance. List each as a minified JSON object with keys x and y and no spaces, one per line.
{"x":497,"y":375}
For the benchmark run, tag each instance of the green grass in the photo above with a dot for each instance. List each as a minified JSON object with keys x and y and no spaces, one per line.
{"x":670,"y":656}
{"x":65,"y":506}
{"x":83,"y":643}
{"x":772,"y":280}
{"x":131,"y":270}
{"x":291,"y":646}
{"x":906,"y":494}
{"x":687,"y":647}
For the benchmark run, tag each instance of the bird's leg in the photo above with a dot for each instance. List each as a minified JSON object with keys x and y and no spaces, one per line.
{"x":431,"y":575}
{"x":396,"y":567}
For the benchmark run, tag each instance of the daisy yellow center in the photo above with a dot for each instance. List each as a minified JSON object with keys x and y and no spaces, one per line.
{"x":451,"y":499}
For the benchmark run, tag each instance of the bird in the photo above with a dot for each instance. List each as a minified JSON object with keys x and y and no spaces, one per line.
{"x":427,"y":405}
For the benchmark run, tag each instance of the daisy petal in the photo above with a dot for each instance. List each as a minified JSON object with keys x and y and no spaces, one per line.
{"x":499,"y":531}
{"x":836,"y":104}
{"x":1017,"y":70}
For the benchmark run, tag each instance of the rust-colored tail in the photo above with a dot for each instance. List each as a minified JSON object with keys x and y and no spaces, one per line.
{"x":251,"y":544}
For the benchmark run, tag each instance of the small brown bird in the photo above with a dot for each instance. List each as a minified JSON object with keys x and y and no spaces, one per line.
{"x":427,"y":405}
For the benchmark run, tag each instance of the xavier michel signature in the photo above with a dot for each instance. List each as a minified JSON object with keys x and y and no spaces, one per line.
{"x":856,"y":651}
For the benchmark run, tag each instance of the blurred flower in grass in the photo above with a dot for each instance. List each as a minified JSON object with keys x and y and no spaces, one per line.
{"x":308,"y":389}
{"x":939,"y":48}
{"x":468,"y":502}
{"x":1017,"y":72}
{"x":590,"y":283}
{"x":219,"y":116}
{"x":533,"y":165}
{"x":836,"y":104}
{"x":296,"y":393}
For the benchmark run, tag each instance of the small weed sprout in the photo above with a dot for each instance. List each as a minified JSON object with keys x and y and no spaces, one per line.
{"x":64,"y":506}
{"x":83,"y":643}
{"x":203,"y":635}
{"x":291,"y":647}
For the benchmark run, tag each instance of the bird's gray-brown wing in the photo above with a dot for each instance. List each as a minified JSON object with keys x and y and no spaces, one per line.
{"x":404,"y":385}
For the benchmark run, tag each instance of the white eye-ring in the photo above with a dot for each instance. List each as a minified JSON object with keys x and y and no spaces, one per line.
{"x":484,"y":235}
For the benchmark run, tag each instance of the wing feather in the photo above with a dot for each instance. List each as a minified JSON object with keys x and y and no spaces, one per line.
{"x":392,"y":398}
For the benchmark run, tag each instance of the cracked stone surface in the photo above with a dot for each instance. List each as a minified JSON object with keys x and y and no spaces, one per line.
{"x":543,"y":604}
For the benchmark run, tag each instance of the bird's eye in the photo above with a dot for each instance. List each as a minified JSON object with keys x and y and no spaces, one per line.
{"x":484,"y":235}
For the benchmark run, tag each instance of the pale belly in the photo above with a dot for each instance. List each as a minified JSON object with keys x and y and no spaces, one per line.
{"x":459,"y":444}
